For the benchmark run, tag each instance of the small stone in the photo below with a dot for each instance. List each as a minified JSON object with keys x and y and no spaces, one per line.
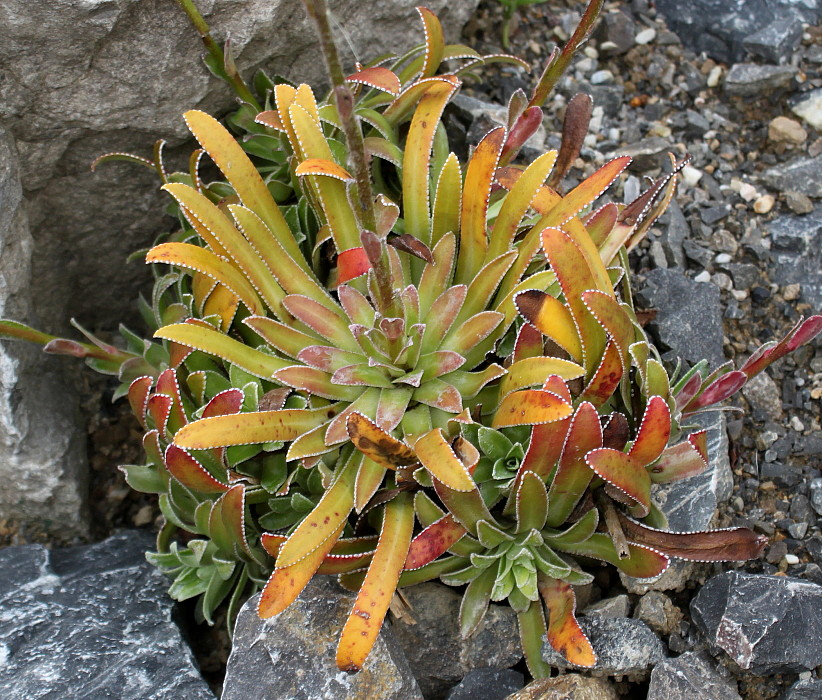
{"x":748,"y":192}
{"x":816,"y":495}
{"x":784,"y":130}
{"x":723,"y":259}
{"x":570,"y":685}
{"x":791,"y":559}
{"x":657,"y":611}
{"x":714,"y":77}
{"x":804,"y":689}
{"x":618,"y":606}
{"x":809,"y":108}
{"x":764,"y":204}
{"x":602,"y":77}
{"x":797,"y":424}
{"x":691,"y":176}
{"x":616,"y":32}
{"x":791,"y":292}
{"x":691,"y":676}
{"x":723,"y":281}
{"x":801,"y":175}
{"x":764,"y":396}
{"x":143,"y":516}
{"x":748,"y":79}
{"x":798,"y":203}
{"x":646,"y":36}
{"x":703,"y":276}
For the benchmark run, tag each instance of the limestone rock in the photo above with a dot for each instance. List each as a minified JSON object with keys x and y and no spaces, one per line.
{"x":571,"y":685}
{"x":91,"y":622}
{"x":292,"y":655}
{"x":42,"y":445}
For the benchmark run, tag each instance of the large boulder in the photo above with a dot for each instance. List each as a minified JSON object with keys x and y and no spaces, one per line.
{"x":79,"y":79}
{"x":42,"y":463}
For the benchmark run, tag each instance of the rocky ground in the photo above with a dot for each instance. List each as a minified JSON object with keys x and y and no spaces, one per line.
{"x":735,"y":262}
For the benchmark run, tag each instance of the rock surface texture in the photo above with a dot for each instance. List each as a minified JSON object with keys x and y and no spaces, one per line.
{"x":80,"y":79}
{"x":766,"y":624}
{"x":693,"y":676}
{"x":91,"y":622}
{"x":292,"y":655}
{"x":42,"y":460}
{"x":437,"y":653}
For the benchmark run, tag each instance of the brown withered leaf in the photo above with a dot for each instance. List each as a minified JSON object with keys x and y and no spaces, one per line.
{"x":413,"y":246}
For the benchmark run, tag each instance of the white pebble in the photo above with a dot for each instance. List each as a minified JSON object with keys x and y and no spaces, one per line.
{"x":723,"y":258}
{"x":602,"y":77}
{"x":740,"y":294}
{"x":590,"y":52}
{"x":714,"y":76}
{"x":748,"y":192}
{"x":646,"y":36}
{"x":764,"y":204}
{"x":703,"y":276}
{"x":691,"y":175}
{"x":791,"y":559}
{"x":797,"y":424}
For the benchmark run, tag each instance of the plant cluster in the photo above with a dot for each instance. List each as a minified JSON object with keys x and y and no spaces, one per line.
{"x":374,"y":361}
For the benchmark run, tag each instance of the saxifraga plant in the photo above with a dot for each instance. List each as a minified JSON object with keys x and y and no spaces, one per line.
{"x":374,"y":361}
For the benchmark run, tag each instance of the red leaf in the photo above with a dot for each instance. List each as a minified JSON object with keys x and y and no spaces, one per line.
{"x":352,"y":263}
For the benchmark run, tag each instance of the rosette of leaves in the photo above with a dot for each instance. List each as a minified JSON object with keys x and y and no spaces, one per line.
{"x":416,"y":368}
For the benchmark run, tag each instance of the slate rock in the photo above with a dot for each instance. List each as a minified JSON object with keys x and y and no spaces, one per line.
{"x":800,"y":175}
{"x":766,"y":624}
{"x":42,"y":443}
{"x":796,"y":253}
{"x":805,"y":689}
{"x":487,"y":684}
{"x":775,"y":42}
{"x":570,"y":686}
{"x":689,"y":319}
{"x":618,"y":28}
{"x":438,"y":655}
{"x":691,"y":676}
{"x":624,"y":647}
{"x":691,"y":504}
{"x":292,"y":655}
{"x":91,"y":622}
{"x":718,"y":27}
{"x":752,"y":79}
{"x":675,"y":230}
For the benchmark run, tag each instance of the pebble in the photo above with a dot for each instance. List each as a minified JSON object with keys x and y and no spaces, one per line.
{"x":714,"y":77}
{"x":798,"y":203}
{"x":797,"y":424}
{"x":703,"y":276}
{"x":810,"y":108}
{"x":764,"y":204}
{"x":748,"y":192}
{"x":646,"y":36}
{"x":784,"y":130}
{"x":691,"y":176}
{"x":723,"y":258}
{"x":791,"y":559}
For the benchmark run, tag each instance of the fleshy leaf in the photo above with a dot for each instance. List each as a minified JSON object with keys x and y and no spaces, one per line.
{"x":530,"y":407}
{"x":433,"y":541}
{"x":564,"y":633}
{"x":378,"y":445}
{"x":437,"y":457}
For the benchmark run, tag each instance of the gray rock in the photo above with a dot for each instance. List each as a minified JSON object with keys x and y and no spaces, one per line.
{"x":675,"y":230}
{"x":657,"y":611}
{"x":816,"y":496}
{"x":567,"y":686}
{"x":796,"y":253}
{"x":689,"y":318}
{"x":647,"y":154}
{"x":487,"y":684}
{"x":619,"y":29}
{"x":691,"y":504}
{"x":618,"y":606}
{"x":777,"y":41}
{"x":80,"y":79}
{"x":292,"y":655}
{"x":438,"y":655}
{"x":809,"y":108}
{"x":718,"y":27}
{"x":624,"y":647}
{"x":692,"y":676}
{"x":766,"y":624}
{"x":806,"y":689}
{"x":91,"y":622}
{"x":744,"y":275}
{"x":751,"y":79}
{"x":42,"y":444}
{"x":763,"y":395}
{"x":800,"y":175}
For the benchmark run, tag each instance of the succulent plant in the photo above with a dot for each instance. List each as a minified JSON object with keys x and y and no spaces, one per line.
{"x":375,"y":361}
